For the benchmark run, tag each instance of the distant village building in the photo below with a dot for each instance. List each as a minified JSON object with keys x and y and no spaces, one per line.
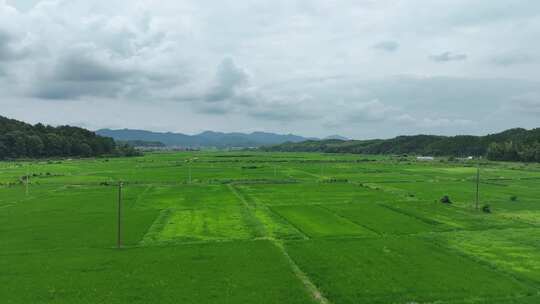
{"x":425,"y":158}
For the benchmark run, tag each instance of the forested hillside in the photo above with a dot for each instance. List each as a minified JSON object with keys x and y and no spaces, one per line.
{"x":510,"y":145}
{"x":22,"y":140}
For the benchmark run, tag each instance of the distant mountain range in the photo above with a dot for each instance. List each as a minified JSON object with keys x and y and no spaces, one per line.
{"x":204,"y":139}
{"x":338,"y":137}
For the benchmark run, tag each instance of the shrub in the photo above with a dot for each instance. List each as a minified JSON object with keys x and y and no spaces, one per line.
{"x":486,"y":208}
{"x":250,"y":167}
{"x":513,"y":198}
{"x":334,"y":180}
{"x":446,"y":200}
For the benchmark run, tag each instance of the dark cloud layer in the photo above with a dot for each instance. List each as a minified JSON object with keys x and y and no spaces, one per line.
{"x":448,"y":56}
{"x":74,"y":76}
{"x":229,"y":78}
{"x":78,"y":68}
{"x":388,"y":46}
{"x":8,"y":49}
{"x":513,"y":59}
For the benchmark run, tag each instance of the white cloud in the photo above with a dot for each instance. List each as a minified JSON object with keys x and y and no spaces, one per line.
{"x":288,"y":66}
{"x":373,"y":110}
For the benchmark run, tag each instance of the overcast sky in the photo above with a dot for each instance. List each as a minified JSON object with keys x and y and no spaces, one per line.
{"x":358,"y":68}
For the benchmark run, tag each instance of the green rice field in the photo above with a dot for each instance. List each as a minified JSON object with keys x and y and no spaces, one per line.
{"x":254,"y":227}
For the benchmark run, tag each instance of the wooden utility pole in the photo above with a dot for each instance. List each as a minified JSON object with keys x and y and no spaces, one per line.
{"x":477,"y":185}
{"x":27,"y":180}
{"x":119,"y":228}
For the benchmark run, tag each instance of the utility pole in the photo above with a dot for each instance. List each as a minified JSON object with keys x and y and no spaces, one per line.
{"x":119,"y":228}
{"x":27,"y":179}
{"x":189,"y":173}
{"x":477,"y":184}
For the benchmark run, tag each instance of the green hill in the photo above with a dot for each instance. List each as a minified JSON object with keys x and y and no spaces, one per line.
{"x":512,"y":145}
{"x":22,"y":140}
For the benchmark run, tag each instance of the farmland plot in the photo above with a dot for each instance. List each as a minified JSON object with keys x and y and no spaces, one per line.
{"x":250,"y":227}
{"x":516,"y":251}
{"x":381,"y":219}
{"x":68,"y":217}
{"x":447,"y":217}
{"x":202,"y":225}
{"x":405,"y":270}
{"x":314,"y":193}
{"x":187,"y":197}
{"x":316,"y":221}
{"x":232,"y":272}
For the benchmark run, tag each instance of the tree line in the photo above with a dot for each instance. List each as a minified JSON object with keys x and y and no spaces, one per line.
{"x":22,"y":140}
{"x":510,"y":145}
{"x":512,"y":151}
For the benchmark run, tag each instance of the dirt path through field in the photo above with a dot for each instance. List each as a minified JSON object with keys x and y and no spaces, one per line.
{"x":301,"y":275}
